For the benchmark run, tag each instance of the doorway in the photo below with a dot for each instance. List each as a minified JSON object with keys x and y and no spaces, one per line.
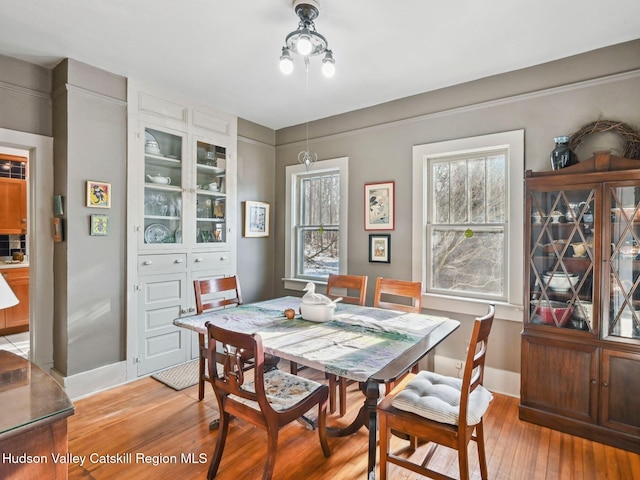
{"x":39,"y":151}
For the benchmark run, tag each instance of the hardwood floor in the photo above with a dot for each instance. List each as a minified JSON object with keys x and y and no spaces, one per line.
{"x":166,"y":433}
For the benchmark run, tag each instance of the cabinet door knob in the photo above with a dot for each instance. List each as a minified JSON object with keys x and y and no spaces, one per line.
{"x":605,"y":384}
{"x":198,"y":260}
{"x":147,"y":262}
{"x":178,"y":260}
{"x":593,"y":382}
{"x":223,"y":258}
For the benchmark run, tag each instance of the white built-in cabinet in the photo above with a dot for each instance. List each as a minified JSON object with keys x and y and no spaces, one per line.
{"x":181,"y":219}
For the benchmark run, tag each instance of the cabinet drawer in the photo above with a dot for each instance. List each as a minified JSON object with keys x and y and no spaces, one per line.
{"x":210,"y":260}
{"x":166,"y":263}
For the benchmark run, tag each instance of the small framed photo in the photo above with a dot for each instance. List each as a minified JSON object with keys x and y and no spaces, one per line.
{"x":100,"y":225}
{"x":256,"y":219}
{"x":380,"y":248}
{"x":98,"y":194}
{"x":379,"y":206}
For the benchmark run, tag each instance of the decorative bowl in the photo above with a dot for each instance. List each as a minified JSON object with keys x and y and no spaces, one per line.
{"x":560,"y":282}
{"x":546,"y":310}
{"x":317,"y":312}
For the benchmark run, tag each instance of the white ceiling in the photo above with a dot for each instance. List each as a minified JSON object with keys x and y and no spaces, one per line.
{"x":225,"y":52}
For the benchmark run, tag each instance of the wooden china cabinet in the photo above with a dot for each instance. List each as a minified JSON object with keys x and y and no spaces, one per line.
{"x":581,"y":337}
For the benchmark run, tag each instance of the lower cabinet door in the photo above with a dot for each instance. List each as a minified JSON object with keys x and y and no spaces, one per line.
{"x":161,"y":343}
{"x":620,"y":391}
{"x":560,"y":377}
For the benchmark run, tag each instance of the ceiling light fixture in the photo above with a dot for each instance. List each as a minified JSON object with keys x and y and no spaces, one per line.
{"x":306,"y":41}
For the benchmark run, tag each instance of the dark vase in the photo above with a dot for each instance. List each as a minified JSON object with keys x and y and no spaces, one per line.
{"x":562,"y":156}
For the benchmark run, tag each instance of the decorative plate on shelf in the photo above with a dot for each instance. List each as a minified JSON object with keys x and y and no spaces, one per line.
{"x":151,"y":145}
{"x":156,"y":233}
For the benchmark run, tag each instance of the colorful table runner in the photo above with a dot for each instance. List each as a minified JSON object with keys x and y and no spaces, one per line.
{"x":356,"y":344}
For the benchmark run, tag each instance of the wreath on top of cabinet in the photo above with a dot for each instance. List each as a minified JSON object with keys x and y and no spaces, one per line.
{"x":624,"y":130}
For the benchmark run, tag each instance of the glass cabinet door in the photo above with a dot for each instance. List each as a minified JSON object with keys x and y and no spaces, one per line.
{"x":163,"y":187}
{"x":561,"y":256}
{"x":624,"y":263}
{"x":210,"y":198}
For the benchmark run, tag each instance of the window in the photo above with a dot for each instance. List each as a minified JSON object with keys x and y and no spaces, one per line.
{"x":317,"y":220}
{"x":467,"y":228}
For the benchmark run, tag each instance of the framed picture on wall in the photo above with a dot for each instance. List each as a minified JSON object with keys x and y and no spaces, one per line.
{"x":98,"y":194}
{"x":256,"y":219}
{"x":379,"y":206}
{"x":100,"y":225}
{"x":380,"y":248}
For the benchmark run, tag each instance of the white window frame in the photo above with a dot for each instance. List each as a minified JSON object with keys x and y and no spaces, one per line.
{"x":513,"y":142}
{"x":293,"y":172}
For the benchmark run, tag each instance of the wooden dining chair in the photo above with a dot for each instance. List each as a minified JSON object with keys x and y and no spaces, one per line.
{"x":388,"y":289}
{"x":268,"y":400}
{"x":439,"y":409}
{"x":353,"y":290}
{"x":212,"y":294}
{"x":410,"y":293}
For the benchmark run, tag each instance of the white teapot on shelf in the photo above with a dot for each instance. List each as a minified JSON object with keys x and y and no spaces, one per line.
{"x":159,"y":179}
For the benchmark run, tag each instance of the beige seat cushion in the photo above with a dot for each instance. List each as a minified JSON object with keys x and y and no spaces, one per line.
{"x":437,"y":398}
{"x":283,"y":390}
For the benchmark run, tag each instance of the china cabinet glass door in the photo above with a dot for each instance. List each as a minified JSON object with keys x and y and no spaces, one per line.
{"x":163,"y":187}
{"x":210,"y":198}
{"x":562,"y":256}
{"x":624,"y":263}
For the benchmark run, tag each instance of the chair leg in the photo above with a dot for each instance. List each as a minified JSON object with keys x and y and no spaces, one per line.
{"x":384,"y":444}
{"x":272,"y":449}
{"x":484,"y":473}
{"x":217,"y":454}
{"x":202,"y":364}
{"x":463,"y":456}
{"x":322,"y":428}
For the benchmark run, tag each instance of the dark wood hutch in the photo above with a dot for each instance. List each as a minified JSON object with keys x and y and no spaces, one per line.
{"x":581,"y":336}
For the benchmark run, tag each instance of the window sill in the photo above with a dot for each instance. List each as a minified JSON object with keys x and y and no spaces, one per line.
{"x":474,"y":307}
{"x":298,"y":284}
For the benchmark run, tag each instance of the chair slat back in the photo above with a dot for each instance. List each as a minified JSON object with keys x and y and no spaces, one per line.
{"x":216,"y":292}
{"x":349,"y":283}
{"x":398,"y":288}
{"x":474,"y":366}
{"x":235,"y":348}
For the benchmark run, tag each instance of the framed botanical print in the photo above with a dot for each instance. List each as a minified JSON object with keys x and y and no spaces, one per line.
{"x":256,"y":219}
{"x":379,"y":206}
{"x":380,"y":248}
{"x":98,"y":194}
{"x":100,"y":225}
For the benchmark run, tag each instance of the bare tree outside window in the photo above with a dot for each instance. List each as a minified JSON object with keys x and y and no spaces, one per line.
{"x":318,"y":226}
{"x":467,"y":239}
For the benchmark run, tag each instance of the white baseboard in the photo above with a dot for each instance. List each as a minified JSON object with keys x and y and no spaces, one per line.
{"x":499,"y":381}
{"x":93,"y":381}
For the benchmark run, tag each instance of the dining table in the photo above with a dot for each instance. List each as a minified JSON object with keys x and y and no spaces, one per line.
{"x":372,"y":346}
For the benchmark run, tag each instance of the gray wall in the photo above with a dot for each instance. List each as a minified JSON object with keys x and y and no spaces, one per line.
{"x":256,"y":180}
{"x":90,"y":140}
{"x":546,"y":101}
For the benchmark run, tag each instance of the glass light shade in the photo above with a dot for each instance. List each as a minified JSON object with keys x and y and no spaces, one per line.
{"x":7,"y":297}
{"x":328,"y":67}
{"x":286,"y":65}
{"x":304,"y":45}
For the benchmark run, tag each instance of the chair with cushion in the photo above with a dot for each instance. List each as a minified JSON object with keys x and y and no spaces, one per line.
{"x":389,"y":292}
{"x":443,"y":410}
{"x":354,"y":289}
{"x":211,"y":294}
{"x":268,"y":400}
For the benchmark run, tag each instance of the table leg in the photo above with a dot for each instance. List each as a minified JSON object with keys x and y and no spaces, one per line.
{"x":367,"y":417}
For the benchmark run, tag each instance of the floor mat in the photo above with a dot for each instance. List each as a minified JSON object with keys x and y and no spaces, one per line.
{"x":180,"y":376}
